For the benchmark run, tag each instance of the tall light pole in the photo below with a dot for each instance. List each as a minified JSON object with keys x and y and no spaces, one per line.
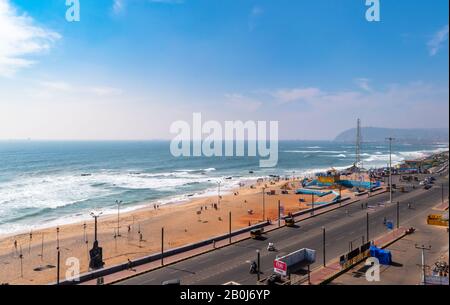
{"x":323,"y":240}
{"x":258,"y":254}
{"x":58,"y":256}
{"x":264,"y":203}
{"x":367,"y":227}
{"x":96,"y":253}
{"x":398,"y":214}
{"x":118,"y":202}
{"x":390,"y":139}
{"x":219,"y":182}
{"x":423,"y":248}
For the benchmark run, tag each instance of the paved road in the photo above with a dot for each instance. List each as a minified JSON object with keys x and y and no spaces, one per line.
{"x":343,"y":226}
{"x":406,"y":258}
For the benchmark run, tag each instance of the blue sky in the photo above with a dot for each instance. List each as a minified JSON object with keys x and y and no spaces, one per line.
{"x":130,"y":68}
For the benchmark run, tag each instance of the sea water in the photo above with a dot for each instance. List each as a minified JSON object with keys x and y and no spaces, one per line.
{"x":56,"y":182}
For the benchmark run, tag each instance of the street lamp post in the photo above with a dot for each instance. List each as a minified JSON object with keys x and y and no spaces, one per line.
{"x":279,"y":213}
{"x":258,"y":255}
{"x":423,"y":248}
{"x":58,"y":256}
{"x":229,"y":227}
{"x":96,"y":253}
{"x":218,"y":191}
{"x":118,"y":202}
{"x":390,"y":139}
{"x":398,"y":214}
{"x":264,"y":203}
{"x":367,"y":226}
{"x":162,"y":246}
{"x":324,"y":253}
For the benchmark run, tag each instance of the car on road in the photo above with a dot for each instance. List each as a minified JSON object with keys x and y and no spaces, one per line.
{"x":428,"y":186}
{"x":174,"y":282}
{"x":256,"y":233}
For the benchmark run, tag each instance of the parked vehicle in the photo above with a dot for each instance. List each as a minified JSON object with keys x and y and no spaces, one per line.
{"x":175,"y":282}
{"x":256,"y":233}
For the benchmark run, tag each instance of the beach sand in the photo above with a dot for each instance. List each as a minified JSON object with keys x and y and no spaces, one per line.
{"x":181,"y":221}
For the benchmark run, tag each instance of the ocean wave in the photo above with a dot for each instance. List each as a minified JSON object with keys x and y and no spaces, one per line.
{"x":316,"y":151}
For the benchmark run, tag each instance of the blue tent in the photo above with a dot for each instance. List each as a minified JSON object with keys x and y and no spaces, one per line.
{"x":384,"y":256}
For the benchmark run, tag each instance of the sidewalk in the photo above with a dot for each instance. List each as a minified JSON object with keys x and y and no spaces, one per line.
{"x":144,"y":268}
{"x":333,"y":269}
{"x":442,"y":206}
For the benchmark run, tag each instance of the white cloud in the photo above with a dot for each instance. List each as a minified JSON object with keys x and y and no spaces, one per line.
{"x":363,"y":83}
{"x":438,"y":40}
{"x":20,"y":38}
{"x":48,"y":89}
{"x":119,"y":5}
{"x":241,"y":102}
{"x":296,"y":94}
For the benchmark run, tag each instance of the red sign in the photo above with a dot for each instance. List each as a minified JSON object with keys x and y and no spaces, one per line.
{"x":280,"y":267}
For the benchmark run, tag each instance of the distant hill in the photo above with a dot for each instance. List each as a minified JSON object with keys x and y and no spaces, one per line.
{"x":375,"y":134}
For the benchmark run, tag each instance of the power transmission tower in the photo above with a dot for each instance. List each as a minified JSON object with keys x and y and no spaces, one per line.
{"x":390,"y":139}
{"x":358,"y":145}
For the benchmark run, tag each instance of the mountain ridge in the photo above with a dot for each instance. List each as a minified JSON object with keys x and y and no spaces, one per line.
{"x":410,"y":135}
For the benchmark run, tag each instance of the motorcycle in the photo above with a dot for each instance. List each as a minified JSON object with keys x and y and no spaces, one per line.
{"x":253,"y":268}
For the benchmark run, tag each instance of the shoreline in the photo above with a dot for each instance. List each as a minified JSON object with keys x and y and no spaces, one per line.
{"x":184,"y":223}
{"x":138,"y":207}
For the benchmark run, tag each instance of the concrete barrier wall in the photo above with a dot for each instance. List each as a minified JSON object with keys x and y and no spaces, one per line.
{"x":157,"y":256}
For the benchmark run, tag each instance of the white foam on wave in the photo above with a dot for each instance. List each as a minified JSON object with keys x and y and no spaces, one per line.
{"x":316,"y":151}
{"x":58,"y":190}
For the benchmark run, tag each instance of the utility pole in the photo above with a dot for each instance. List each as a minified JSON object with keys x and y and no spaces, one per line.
{"x":423,"y":248}
{"x":312,"y":210}
{"x":390,"y":139}
{"x":398,"y":214}
{"x":323,"y":239}
{"x":118,"y":202}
